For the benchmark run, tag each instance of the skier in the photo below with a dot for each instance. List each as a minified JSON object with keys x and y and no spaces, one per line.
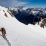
{"x":3,"y":32}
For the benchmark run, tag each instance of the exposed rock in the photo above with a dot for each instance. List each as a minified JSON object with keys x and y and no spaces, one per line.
{"x":5,"y":15}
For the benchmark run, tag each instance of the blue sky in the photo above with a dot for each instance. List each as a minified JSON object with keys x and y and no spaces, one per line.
{"x":28,"y":3}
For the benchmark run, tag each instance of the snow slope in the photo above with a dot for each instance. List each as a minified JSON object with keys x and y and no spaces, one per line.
{"x":19,"y":34}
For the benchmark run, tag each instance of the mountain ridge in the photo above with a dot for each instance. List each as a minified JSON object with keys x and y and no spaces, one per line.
{"x":20,"y":34}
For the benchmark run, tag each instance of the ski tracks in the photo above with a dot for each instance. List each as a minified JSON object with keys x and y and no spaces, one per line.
{"x":7,"y":41}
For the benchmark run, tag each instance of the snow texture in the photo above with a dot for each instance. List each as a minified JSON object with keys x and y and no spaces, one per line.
{"x":19,"y":34}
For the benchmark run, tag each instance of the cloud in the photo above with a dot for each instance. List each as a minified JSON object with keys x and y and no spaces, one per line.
{"x":12,"y":3}
{"x":17,"y":3}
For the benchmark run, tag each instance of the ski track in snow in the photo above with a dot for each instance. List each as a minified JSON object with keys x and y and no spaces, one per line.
{"x":7,"y":41}
{"x":19,"y":34}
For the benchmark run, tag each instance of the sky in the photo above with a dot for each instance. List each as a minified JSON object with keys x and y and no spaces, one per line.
{"x":27,"y":3}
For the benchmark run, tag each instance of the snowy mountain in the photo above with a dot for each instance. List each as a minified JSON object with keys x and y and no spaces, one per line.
{"x":19,"y":34}
{"x":29,"y":15}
